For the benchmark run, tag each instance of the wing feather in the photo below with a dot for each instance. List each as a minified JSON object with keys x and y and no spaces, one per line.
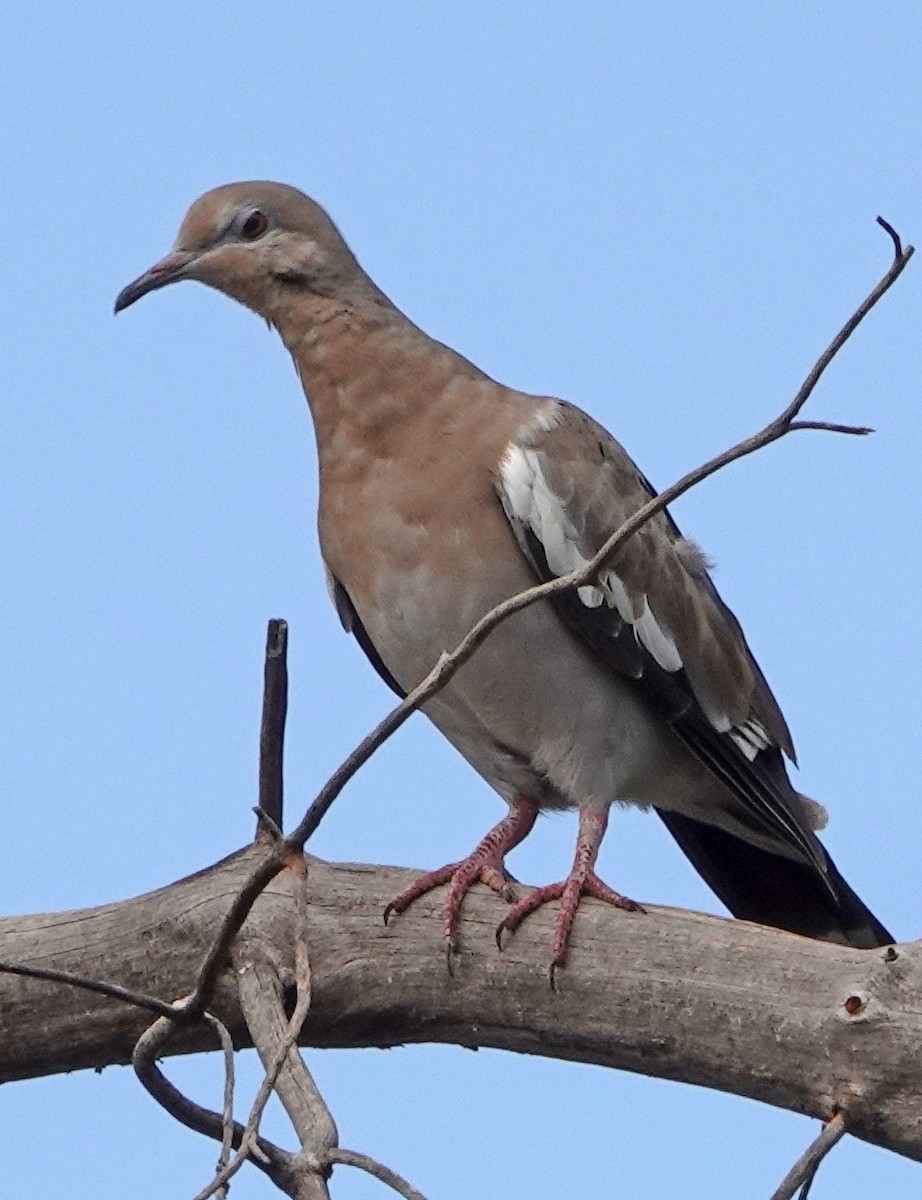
{"x":654,"y":614}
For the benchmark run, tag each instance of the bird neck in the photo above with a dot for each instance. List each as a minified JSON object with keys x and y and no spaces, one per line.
{"x":369,"y":374}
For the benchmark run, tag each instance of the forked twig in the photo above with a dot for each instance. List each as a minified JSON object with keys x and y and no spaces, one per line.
{"x":352,"y":1158}
{"x":262,"y":1000}
{"x":150,"y":1046}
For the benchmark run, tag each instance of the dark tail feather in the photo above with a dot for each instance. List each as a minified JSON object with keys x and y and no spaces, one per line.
{"x":762,"y":887}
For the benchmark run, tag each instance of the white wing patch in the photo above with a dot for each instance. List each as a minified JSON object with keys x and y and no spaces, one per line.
{"x":750,"y":737}
{"x":530,"y":500}
{"x":657,"y":639}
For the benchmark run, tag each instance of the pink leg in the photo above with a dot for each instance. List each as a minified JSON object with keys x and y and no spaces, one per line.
{"x":485,"y":864}
{"x":582,"y":881}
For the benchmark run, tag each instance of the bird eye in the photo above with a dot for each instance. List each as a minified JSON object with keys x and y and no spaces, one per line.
{"x":254,"y":226}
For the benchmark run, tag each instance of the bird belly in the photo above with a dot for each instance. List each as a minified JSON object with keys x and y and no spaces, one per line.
{"x":533,"y":710}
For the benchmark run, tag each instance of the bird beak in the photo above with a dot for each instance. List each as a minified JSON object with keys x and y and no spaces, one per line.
{"x":168,"y":270}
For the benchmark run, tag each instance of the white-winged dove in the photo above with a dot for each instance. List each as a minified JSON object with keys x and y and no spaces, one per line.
{"x":442,"y":492}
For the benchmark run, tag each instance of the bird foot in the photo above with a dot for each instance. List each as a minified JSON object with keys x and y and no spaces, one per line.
{"x":460,"y":877}
{"x":485,"y":865}
{"x":569,"y":892}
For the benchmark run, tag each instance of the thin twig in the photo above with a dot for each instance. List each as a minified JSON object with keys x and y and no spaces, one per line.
{"x":269,"y":1157}
{"x":351,"y":1158}
{"x":299,"y":868}
{"x":897,"y":244}
{"x":222,"y":1178}
{"x":272,"y":731}
{"x":226,"y":1171}
{"x":89,"y":984}
{"x":266,"y":828}
{"x":214,"y":961}
{"x":830,"y":427}
{"x":804,"y":1170}
{"x":227,"y":1139}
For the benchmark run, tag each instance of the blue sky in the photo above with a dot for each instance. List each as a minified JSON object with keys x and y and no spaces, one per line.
{"x":660,"y":212}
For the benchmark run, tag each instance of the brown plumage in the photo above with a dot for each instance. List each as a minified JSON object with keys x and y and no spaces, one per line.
{"x":442,"y":493}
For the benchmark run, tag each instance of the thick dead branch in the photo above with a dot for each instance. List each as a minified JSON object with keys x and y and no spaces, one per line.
{"x":262,"y":1000}
{"x":808,"y":1026}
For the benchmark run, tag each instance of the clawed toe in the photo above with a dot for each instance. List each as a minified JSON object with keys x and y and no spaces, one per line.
{"x":569,"y":893}
{"x":485,"y":865}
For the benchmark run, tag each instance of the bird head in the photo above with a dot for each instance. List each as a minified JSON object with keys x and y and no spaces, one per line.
{"x":263,"y":244}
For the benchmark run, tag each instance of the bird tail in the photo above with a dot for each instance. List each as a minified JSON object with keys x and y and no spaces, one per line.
{"x":756,"y":885}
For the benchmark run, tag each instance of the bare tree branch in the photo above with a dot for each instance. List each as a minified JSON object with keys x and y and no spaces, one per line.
{"x":804,"y":1170}
{"x":830,"y":427}
{"x":227,"y":1115}
{"x":77,"y":979}
{"x":152,"y":1045}
{"x":852,"y":1015}
{"x":262,"y":998}
{"x":898,"y":252}
{"x":261,"y":994}
{"x":272,"y":732}
{"x":262,"y":1001}
{"x":269,"y":865}
{"x":371,"y":1166}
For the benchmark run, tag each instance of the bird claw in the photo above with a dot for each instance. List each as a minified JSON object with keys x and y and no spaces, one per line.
{"x":460,"y":878}
{"x":569,"y":893}
{"x":486,"y":864}
{"x":432,"y":879}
